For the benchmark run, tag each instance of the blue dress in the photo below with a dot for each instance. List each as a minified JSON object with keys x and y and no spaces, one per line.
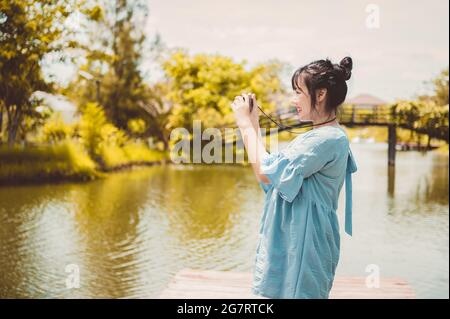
{"x":299,"y":242}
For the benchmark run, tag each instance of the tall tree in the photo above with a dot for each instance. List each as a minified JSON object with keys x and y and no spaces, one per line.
{"x":202,"y":87}
{"x":441,"y":88}
{"x":29,"y":30}
{"x":127,"y":90}
{"x":113,"y":58}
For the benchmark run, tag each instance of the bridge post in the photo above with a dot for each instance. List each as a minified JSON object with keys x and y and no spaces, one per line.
{"x":392,"y":142}
{"x":391,"y":180}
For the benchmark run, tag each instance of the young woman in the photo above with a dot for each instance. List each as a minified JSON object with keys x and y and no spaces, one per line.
{"x":299,"y":241}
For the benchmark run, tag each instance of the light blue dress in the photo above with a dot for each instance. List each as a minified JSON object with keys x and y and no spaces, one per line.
{"x":299,"y":241}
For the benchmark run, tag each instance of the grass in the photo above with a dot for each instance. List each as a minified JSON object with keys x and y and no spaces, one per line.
{"x":114,"y":156}
{"x":68,"y":161}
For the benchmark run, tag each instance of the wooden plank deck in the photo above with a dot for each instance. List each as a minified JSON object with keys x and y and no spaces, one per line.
{"x":211,"y":284}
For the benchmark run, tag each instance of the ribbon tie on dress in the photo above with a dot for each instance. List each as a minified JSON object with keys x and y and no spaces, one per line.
{"x":351,"y":168}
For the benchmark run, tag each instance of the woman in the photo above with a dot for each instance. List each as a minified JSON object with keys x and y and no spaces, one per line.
{"x":299,"y":241}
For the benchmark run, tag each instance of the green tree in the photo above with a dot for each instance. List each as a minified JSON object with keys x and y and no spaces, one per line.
{"x":422,"y":116}
{"x":441,"y":88}
{"x":29,"y":30}
{"x":126,"y":92}
{"x":113,"y":58}
{"x":202,"y":87}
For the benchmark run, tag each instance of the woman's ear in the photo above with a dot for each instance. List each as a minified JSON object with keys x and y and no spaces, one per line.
{"x":321,"y":94}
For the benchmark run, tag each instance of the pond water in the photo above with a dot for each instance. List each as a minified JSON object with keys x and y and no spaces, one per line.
{"x":129,"y":233}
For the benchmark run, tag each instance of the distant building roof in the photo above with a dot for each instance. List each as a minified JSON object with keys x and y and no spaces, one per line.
{"x":365,"y":99}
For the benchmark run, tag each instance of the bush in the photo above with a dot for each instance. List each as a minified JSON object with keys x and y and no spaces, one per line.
{"x":101,"y":145}
{"x":108,"y":145}
{"x":55,"y":130}
{"x":136,"y":126}
{"x":65,"y":160}
{"x":90,"y":128}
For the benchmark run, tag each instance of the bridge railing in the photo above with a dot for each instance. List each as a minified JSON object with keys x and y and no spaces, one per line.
{"x":358,"y":116}
{"x":288,"y":117}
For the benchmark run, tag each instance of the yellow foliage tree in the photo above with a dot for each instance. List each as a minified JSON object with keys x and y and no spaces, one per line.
{"x":203,"y":86}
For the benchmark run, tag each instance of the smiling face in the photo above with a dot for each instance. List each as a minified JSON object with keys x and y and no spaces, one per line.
{"x":302,"y":102}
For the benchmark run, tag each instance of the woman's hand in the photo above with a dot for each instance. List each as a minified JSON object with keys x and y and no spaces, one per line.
{"x":241,"y":108}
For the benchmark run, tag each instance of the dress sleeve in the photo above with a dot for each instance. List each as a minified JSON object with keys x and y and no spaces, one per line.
{"x":287,"y":169}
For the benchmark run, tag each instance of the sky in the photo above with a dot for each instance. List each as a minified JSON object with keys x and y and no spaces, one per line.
{"x":396,"y":45}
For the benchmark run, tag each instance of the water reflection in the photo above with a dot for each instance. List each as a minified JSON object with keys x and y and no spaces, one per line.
{"x":129,"y":233}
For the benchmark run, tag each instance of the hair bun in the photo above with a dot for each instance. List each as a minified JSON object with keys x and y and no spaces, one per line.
{"x":347,"y":66}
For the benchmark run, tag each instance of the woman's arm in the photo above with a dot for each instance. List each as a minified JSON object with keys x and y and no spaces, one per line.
{"x":248,"y":124}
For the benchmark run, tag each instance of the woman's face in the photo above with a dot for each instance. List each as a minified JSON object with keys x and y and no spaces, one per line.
{"x":302,"y":101}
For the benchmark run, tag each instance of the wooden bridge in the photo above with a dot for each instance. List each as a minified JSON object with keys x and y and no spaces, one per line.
{"x":288,"y":118}
{"x":211,"y":284}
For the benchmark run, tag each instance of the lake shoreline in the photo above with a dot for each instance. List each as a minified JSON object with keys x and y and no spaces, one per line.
{"x":61,"y":177}
{"x":56,"y":178}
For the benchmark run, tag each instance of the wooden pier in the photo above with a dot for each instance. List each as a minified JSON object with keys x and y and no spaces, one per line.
{"x":211,"y":284}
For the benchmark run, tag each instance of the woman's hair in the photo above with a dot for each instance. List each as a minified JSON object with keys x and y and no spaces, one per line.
{"x":324,"y":74}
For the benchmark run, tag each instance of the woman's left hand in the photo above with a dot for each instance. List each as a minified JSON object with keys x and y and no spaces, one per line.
{"x":241,"y":109}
